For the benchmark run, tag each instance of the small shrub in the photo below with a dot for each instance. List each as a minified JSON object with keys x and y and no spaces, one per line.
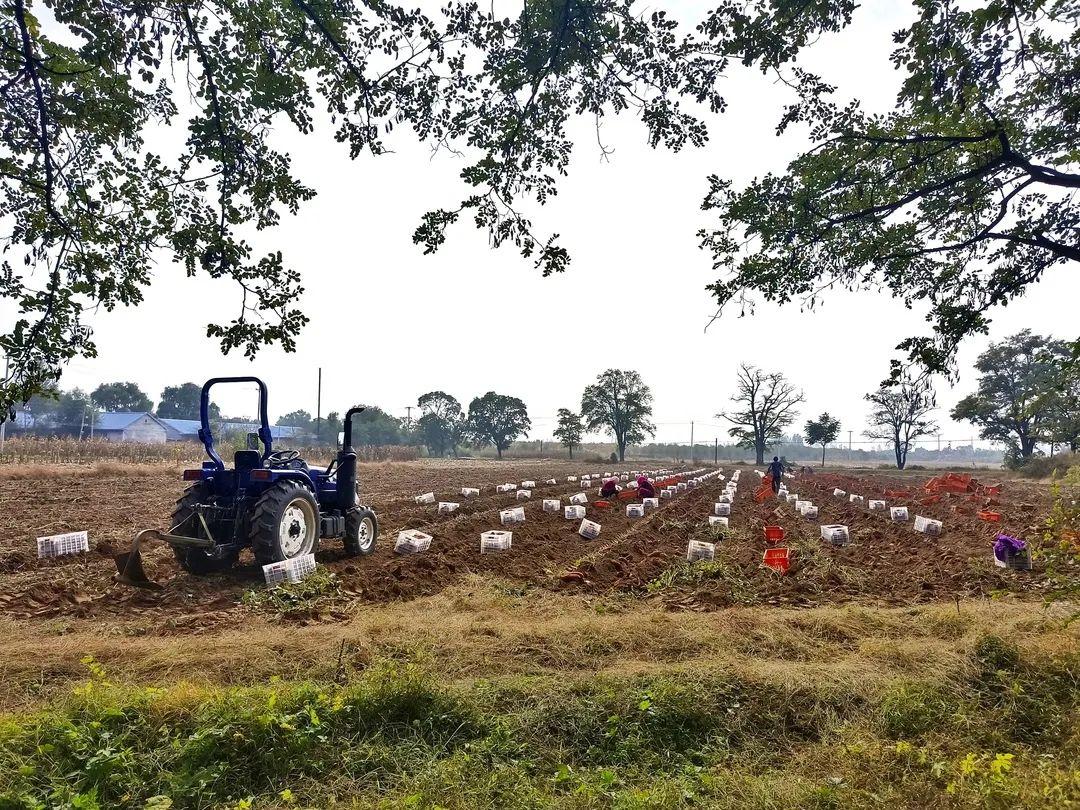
{"x":993,"y":654}
{"x":1046,"y":466}
{"x":911,"y":709}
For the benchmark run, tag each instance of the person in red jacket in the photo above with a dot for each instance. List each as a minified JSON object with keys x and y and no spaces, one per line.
{"x":645,"y":488}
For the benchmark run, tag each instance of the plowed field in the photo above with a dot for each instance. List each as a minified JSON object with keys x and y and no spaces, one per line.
{"x":884,"y":562}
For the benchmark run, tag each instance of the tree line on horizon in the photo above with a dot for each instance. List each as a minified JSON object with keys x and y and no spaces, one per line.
{"x":1027,"y":394}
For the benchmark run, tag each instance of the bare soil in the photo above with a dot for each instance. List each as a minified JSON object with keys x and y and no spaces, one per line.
{"x":885,"y":563}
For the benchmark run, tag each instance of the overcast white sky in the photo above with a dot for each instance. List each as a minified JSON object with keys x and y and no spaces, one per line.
{"x":388,"y":323}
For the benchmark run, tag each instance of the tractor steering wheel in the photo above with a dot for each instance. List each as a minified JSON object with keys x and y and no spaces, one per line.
{"x":279,"y":457}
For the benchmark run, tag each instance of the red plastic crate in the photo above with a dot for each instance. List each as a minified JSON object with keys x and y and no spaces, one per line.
{"x":990,"y":517}
{"x":778,"y":559}
{"x":774,"y":534}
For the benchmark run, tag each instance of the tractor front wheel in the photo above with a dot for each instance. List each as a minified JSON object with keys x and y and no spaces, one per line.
{"x":197,"y":561}
{"x":284,"y":524}
{"x":361,"y":531}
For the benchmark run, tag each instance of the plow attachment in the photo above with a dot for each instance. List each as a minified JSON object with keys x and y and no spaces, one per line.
{"x":129,"y":566}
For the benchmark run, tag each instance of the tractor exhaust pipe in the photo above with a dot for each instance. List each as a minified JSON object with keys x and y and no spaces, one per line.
{"x":346,"y":475}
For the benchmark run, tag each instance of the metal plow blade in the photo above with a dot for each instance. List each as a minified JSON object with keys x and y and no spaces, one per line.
{"x":129,"y":567}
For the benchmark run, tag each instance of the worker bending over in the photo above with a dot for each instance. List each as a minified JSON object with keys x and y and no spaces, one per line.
{"x":645,"y":489}
{"x":610,"y":487}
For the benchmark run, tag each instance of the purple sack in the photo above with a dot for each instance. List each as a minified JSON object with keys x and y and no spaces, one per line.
{"x":1006,"y":546}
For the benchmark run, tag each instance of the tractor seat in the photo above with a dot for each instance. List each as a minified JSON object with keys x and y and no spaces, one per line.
{"x":247,"y":459}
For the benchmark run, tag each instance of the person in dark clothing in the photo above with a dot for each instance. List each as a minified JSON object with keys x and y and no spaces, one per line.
{"x":776,"y":470}
{"x":645,"y":488}
{"x":609,"y":488}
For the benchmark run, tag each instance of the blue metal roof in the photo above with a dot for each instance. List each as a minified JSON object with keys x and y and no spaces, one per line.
{"x":185,"y":427}
{"x":117,"y":420}
{"x":190,"y":427}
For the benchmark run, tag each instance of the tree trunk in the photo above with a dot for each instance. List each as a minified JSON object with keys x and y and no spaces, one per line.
{"x":571,"y":447}
{"x":1027,"y":447}
{"x":499,"y":451}
{"x":622,"y":452}
{"x":822,"y":455}
{"x":760,"y":454}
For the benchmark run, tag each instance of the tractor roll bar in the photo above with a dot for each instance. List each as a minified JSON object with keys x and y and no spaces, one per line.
{"x":204,"y":417}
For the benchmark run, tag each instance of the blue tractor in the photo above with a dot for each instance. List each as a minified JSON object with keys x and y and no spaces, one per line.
{"x":270,"y":501}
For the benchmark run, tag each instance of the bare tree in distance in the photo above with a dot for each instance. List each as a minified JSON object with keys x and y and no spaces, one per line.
{"x":768,"y":403}
{"x":900,"y":414}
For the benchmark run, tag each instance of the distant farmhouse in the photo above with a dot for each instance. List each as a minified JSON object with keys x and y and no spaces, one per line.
{"x":146,"y":428}
{"x":130,"y":427}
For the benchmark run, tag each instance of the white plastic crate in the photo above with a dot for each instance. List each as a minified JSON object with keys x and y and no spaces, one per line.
{"x":550,"y":482}
{"x":631,"y":484}
{"x":589,"y":529}
{"x":57,"y":545}
{"x":579,"y":498}
{"x":792,"y":499}
{"x":289,"y":571}
{"x":571,"y":479}
{"x":715,"y":520}
{"x":506,"y":487}
{"x":839,"y":493}
{"x":524,"y":494}
{"x":681,"y":486}
{"x":552,"y":505}
{"x":412,"y":541}
{"x":927,"y":525}
{"x":856,"y":498}
{"x":876,"y":506}
{"x":898,"y":514}
{"x":801,"y":505}
{"x":448,"y":507}
{"x":666,"y":493}
{"x":624,"y":477}
{"x":810,"y":512}
{"x":508,"y":517}
{"x":650,"y":503}
{"x":725,"y":498}
{"x":427,"y":497}
{"x":722,"y":509}
{"x":528,"y":485}
{"x":635,"y":510}
{"x":586,"y":483}
{"x":835,"y":534}
{"x":573,"y":512}
{"x":699,"y":550}
{"x":469,"y":492}
{"x":495,"y":540}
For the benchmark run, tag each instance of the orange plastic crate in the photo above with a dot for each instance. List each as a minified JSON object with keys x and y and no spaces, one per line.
{"x":774,"y":534}
{"x":778,"y":559}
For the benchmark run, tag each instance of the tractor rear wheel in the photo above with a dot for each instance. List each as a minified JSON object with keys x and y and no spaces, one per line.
{"x":196,"y":560}
{"x":284,"y":523}
{"x":361,"y":531}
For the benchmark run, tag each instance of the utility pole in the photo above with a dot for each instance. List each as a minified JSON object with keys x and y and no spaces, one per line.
{"x":849,"y":444}
{"x":408,"y":416}
{"x":318,"y":408}
{"x":691,"y":443}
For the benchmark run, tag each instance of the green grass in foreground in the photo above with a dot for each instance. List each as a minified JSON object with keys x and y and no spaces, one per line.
{"x":1005,"y":735}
